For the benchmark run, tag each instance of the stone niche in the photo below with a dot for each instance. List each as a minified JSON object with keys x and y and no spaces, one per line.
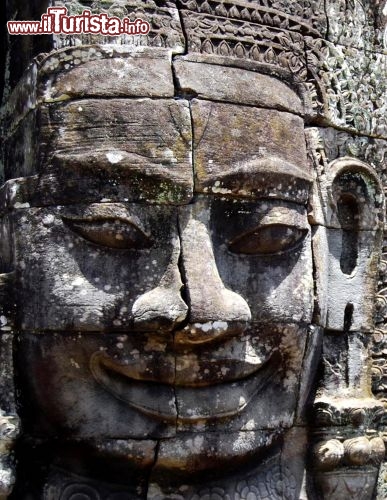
{"x":193,"y":270}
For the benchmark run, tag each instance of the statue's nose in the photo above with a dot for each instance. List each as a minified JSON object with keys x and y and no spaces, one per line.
{"x":209,"y":308}
{"x":213,"y":309}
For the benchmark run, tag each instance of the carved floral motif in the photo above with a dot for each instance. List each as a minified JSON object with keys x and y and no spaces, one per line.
{"x":351,"y":86}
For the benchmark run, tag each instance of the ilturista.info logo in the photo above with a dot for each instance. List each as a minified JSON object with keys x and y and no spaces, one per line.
{"x":57,"y":21}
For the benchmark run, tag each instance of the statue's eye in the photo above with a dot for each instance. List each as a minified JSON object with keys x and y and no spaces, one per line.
{"x":113,"y":233}
{"x":271,"y":239}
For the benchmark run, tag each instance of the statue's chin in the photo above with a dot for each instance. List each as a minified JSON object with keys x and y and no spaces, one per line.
{"x":187,"y":459}
{"x":213,"y":455}
{"x":228,"y":472}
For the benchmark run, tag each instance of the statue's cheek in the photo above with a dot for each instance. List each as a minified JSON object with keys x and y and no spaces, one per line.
{"x":69,"y":283}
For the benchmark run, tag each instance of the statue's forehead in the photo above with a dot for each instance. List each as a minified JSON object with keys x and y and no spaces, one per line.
{"x":249,"y":151}
{"x":241,"y":135}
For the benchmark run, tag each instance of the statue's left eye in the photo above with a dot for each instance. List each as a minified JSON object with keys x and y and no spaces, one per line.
{"x":113,"y":233}
{"x":270,"y":239}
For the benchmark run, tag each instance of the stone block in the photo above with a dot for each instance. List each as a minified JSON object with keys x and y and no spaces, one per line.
{"x":105,"y":71}
{"x":258,"y":152}
{"x":89,"y":267}
{"x":236,"y":85}
{"x":165,"y":26}
{"x":352,"y":269}
{"x":93,"y":150}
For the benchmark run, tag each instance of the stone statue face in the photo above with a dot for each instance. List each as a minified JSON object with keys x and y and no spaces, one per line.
{"x":173,"y":318}
{"x":183,"y":253}
{"x":180,"y":313}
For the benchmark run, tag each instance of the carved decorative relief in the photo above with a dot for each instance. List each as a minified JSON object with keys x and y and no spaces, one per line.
{"x":251,"y":32}
{"x":350,"y":85}
{"x":357,"y":24}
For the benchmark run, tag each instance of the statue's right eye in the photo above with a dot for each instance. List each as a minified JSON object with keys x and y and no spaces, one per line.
{"x":113,"y":233}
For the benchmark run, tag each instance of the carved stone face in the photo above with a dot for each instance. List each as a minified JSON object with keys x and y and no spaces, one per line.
{"x":173,"y":311}
{"x":183,"y":255}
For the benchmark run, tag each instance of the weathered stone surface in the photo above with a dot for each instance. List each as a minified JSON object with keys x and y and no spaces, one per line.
{"x":270,"y":161}
{"x":270,"y":37}
{"x":81,"y":72}
{"x":230,"y":84}
{"x":21,"y":161}
{"x":20,"y":102}
{"x":252,"y":402}
{"x":352,"y":268}
{"x":134,"y":139}
{"x":349,"y":202}
{"x":349,"y":450}
{"x":361,"y":26}
{"x":65,"y":485}
{"x":382,"y":482}
{"x":110,"y":468}
{"x":7,"y":387}
{"x":338,"y":143}
{"x":90,"y":301}
{"x":251,"y":257}
{"x":349,"y":195}
{"x":134,"y":160}
{"x":361,"y":484}
{"x":310,"y":363}
{"x":95,"y":386}
{"x":350,"y":87}
{"x":321,"y":262}
{"x":343,"y":400}
{"x":328,"y":144}
{"x":9,"y":420}
{"x":292,"y":463}
{"x":93,"y":264}
{"x":194,"y":456}
{"x":272,"y":480}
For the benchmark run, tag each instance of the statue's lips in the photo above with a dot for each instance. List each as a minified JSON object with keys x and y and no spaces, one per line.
{"x":225,"y":396}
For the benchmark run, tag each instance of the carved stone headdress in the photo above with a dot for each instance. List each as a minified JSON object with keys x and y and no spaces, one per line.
{"x":333,"y":49}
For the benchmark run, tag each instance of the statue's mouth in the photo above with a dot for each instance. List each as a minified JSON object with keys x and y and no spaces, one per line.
{"x":169,"y":399}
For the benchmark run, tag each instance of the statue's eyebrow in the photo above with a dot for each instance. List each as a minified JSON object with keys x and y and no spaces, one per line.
{"x":97,"y":218}
{"x":259,"y":177}
{"x":271,"y":166}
